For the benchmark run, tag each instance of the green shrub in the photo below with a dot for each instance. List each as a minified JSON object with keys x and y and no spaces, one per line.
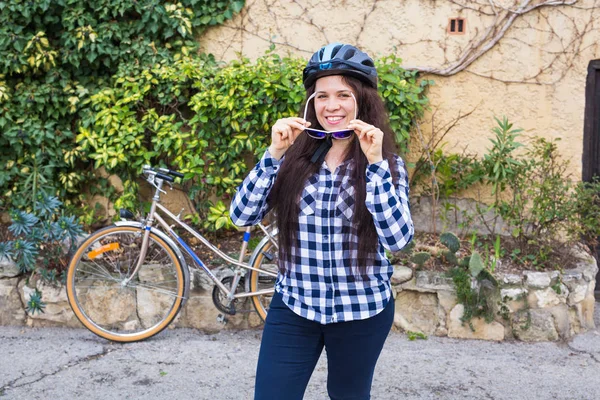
{"x":533,"y":194}
{"x":54,"y":55}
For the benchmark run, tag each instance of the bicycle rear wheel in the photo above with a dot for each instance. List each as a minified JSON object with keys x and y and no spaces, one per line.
{"x":106,"y":303}
{"x":266,"y":260}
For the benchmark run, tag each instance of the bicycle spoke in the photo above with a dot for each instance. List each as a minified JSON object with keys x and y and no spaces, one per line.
{"x":110,"y":278}
{"x":154,"y":289}
{"x":99,"y":268}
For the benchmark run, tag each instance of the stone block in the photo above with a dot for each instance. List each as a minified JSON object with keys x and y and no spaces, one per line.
{"x":585,"y":312}
{"x":513,"y":293}
{"x":416,"y":311}
{"x":534,"y":326}
{"x":547,"y":297}
{"x":447,"y":300}
{"x":200,"y":313}
{"x":11,"y":309}
{"x":591,"y":288}
{"x":588,"y":267}
{"x":572,"y":278}
{"x":515,"y":305}
{"x":8,"y":269}
{"x":433,"y":280}
{"x":412,"y":285}
{"x":577,"y":293}
{"x":482,"y":330}
{"x":537,"y":280}
{"x":562,"y":320}
{"x":200,"y":280}
{"x":401,"y":274}
{"x":513,"y":299}
{"x":511,"y":279}
{"x":574,"y":320}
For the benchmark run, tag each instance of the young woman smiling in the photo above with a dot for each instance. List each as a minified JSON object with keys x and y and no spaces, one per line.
{"x":340,"y":196}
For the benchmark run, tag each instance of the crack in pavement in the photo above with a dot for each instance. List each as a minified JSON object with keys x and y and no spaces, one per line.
{"x":592,"y":355}
{"x":14,"y":385}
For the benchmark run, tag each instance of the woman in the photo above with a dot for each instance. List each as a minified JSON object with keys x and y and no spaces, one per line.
{"x":340,"y":197}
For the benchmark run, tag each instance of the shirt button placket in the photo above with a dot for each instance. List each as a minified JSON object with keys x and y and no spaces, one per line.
{"x":326,"y":184}
{"x":330,"y":231}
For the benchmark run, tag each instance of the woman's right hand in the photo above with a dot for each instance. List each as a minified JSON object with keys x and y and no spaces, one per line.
{"x":284,"y":133}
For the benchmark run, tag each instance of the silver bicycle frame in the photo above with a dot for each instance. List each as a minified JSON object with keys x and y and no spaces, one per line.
{"x":153,"y":216}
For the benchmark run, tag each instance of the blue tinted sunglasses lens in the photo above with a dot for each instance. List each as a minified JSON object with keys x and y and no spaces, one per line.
{"x":345,"y":134}
{"x":315,"y":133}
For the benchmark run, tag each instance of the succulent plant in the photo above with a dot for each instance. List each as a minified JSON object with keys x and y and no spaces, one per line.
{"x":450,"y":257}
{"x":420,"y":258}
{"x":464,"y":262}
{"x":476,"y":264}
{"x":451,"y":241}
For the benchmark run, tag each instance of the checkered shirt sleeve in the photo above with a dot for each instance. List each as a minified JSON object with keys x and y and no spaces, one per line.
{"x":249,"y":205}
{"x":389,"y":204}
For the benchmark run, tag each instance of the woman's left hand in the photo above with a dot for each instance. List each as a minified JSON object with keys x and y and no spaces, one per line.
{"x":370,"y":138}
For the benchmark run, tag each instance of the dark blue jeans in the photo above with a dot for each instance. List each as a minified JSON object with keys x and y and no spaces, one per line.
{"x":291,"y":346}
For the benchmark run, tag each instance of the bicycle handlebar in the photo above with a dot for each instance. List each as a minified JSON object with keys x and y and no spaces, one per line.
{"x":163,"y":173}
{"x":171,"y":172}
{"x":165,"y":177}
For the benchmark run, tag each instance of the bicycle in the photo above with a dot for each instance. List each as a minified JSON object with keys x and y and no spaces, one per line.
{"x":128,"y":281}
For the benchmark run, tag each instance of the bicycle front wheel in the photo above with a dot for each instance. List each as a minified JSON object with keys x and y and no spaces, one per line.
{"x":266,"y":261}
{"x":108,"y":300}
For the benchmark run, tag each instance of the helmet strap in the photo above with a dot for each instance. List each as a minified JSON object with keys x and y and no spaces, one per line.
{"x":319,"y":154}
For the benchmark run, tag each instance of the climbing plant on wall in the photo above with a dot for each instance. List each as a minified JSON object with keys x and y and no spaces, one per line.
{"x":54,"y":55}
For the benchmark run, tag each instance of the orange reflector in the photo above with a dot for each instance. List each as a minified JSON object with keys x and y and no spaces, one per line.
{"x":107,"y":247}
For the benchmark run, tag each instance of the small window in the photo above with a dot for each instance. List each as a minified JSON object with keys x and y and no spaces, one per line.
{"x":457,"y":26}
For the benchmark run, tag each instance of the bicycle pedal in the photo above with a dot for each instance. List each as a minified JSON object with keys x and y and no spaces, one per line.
{"x":221,"y":319}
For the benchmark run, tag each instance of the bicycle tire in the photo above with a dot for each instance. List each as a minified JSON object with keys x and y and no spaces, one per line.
{"x":266,"y":260}
{"x":104,"y":304}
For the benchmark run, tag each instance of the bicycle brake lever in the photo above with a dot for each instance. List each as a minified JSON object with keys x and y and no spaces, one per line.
{"x":159,"y":189}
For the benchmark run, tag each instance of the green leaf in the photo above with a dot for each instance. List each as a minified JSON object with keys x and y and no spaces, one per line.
{"x":451,"y":241}
{"x":420,"y":258}
{"x":475,"y":264}
{"x":237,"y":6}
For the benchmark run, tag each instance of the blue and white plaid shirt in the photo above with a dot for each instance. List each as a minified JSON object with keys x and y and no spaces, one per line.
{"x":317,"y":284}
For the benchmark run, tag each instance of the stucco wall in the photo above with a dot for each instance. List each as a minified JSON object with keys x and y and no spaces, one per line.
{"x":535,"y":74}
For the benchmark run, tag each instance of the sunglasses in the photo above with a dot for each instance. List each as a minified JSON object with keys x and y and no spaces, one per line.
{"x":321,"y":134}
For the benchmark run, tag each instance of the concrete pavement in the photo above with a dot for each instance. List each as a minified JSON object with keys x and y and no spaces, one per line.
{"x":187,"y":364}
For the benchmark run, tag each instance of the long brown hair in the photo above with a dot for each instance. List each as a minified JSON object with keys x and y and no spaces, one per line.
{"x":297,"y":168}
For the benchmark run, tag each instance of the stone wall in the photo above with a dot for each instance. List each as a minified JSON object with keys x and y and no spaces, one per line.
{"x":540,"y":306}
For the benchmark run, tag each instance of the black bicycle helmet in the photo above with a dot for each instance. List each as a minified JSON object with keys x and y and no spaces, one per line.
{"x":340,"y":59}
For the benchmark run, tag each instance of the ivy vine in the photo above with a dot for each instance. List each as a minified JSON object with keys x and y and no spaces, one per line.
{"x":54,"y":55}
